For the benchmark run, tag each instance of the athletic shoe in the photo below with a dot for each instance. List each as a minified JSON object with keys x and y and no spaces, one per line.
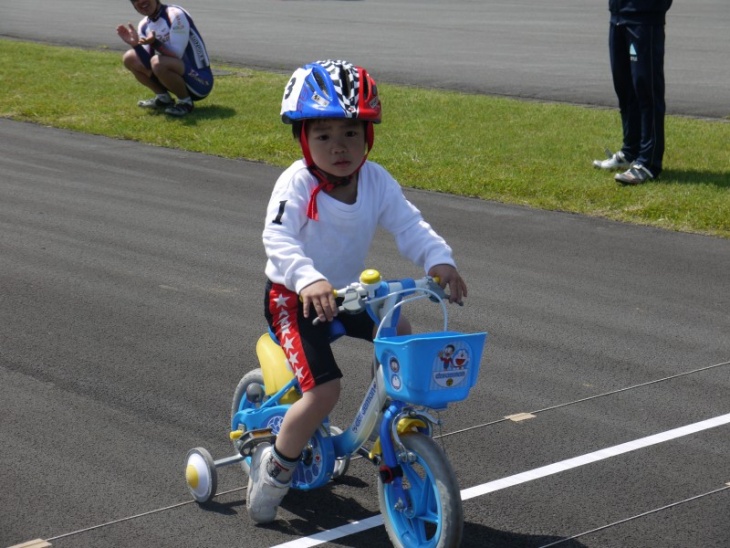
{"x":264,"y":493}
{"x":180,"y":109}
{"x":635,"y":175}
{"x":156,"y":102}
{"x":614,"y":162}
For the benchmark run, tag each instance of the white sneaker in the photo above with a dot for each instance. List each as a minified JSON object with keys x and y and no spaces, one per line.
{"x":635,"y":175}
{"x":264,"y":493}
{"x":613,"y":162}
{"x":156,"y":102}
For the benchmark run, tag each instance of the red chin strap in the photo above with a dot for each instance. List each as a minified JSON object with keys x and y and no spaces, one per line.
{"x":325,"y":182}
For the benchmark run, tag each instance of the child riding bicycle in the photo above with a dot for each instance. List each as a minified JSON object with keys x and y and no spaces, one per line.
{"x":320,"y":222}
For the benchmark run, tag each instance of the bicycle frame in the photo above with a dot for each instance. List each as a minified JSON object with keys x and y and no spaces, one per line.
{"x":373,"y":406}
{"x":386,"y":308}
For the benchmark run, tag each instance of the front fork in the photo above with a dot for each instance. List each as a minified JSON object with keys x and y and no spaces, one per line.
{"x":399,"y":419}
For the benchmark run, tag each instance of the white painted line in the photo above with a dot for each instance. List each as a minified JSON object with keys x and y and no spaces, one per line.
{"x":524,"y":477}
{"x":334,"y":534}
{"x":601,"y":454}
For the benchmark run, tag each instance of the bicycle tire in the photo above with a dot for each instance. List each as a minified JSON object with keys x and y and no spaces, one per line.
{"x":252,"y":377}
{"x":437,"y":520}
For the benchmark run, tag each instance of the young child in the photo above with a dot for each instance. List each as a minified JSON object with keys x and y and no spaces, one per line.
{"x":320,"y":222}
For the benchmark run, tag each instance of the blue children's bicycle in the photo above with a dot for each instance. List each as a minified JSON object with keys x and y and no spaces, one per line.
{"x":419,"y":495}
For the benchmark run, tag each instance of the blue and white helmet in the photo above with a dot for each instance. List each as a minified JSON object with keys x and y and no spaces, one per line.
{"x":330,"y":89}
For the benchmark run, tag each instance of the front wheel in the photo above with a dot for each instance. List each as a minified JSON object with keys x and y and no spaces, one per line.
{"x":433,"y":515}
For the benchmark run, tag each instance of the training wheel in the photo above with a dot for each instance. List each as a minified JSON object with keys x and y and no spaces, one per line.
{"x":201,"y":475}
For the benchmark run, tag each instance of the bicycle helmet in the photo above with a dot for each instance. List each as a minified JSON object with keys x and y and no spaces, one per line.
{"x":330,"y":89}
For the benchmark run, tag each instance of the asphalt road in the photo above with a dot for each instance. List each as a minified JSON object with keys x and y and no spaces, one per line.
{"x":131,"y":288}
{"x":130,"y":295}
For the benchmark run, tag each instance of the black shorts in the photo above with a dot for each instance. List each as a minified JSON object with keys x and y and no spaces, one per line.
{"x":307,"y":346}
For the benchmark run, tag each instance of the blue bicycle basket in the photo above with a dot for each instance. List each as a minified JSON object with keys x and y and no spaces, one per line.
{"x":430,"y":369}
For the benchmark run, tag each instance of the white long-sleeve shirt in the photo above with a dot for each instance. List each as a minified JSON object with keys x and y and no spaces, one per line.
{"x":301,"y":251}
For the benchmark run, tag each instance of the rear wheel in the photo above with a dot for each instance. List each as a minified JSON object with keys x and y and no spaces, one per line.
{"x":433,"y":515}
{"x":249,"y":394}
{"x":315,"y":467}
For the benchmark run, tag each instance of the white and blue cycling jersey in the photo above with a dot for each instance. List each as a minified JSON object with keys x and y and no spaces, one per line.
{"x":176,"y":35}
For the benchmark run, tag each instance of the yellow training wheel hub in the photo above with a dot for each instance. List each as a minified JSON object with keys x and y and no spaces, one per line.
{"x":191,"y":476}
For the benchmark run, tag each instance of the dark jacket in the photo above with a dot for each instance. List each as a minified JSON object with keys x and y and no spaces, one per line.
{"x":652,"y":12}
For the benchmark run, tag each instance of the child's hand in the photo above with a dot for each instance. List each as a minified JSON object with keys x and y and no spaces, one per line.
{"x":448,"y":275}
{"x":321,"y":296}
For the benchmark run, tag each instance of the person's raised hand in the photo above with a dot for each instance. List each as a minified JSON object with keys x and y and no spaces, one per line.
{"x":128,"y":34}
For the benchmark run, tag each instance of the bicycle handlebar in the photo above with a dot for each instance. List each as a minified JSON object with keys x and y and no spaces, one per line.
{"x":371,"y":289}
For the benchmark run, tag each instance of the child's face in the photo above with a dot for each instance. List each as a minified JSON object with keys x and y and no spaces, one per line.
{"x":337,"y":145}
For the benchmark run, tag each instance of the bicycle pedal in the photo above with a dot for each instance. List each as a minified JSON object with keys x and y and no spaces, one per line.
{"x":248,"y":441}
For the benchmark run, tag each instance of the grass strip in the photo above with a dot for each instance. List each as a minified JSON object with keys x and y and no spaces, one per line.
{"x":507,"y":150}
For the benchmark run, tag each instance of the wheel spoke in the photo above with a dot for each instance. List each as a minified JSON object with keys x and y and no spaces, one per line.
{"x":422,"y":496}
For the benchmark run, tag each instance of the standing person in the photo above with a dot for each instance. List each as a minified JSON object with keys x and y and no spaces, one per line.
{"x":321,"y":219}
{"x":636,"y":47}
{"x":168,"y":55}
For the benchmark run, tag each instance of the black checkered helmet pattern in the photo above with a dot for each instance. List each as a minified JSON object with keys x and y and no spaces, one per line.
{"x":346,"y":82}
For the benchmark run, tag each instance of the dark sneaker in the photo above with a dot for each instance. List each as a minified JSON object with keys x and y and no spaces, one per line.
{"x":614,"y":162}
{"x":179,"y":109}
{"x":635,"y":175}
{"x":156,"y":102}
